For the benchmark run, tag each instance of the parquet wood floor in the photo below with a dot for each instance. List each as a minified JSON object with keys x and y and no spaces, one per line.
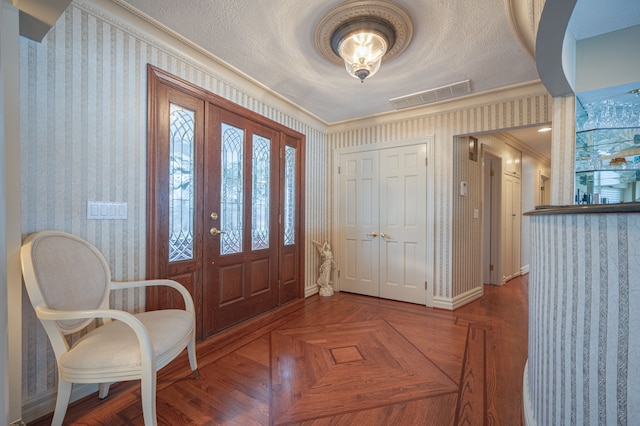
{"x":345,"y":360}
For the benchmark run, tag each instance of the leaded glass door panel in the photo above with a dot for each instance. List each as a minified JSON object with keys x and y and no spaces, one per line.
{"x":241,"y":245}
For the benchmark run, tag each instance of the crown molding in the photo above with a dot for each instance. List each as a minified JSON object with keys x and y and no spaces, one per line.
{"x":474,"y":100}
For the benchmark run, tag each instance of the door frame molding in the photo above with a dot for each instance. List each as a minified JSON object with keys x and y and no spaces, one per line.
{"x":430,"y":230}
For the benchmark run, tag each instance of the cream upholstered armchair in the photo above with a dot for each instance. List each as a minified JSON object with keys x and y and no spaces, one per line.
{"x":68,"y":281}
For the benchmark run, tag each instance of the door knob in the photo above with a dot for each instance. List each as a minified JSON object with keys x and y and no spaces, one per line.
{"x":373,"y":234}
{"x":215,"y":231}
{"x":385,"y":235}
{"x":214,"y":216}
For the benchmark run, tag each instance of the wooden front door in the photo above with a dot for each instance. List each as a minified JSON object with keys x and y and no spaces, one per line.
{"x":225,"y":211}
{"x":241,"y":241}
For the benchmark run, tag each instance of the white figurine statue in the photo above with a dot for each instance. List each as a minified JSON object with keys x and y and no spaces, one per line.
{"x":325,"y":268}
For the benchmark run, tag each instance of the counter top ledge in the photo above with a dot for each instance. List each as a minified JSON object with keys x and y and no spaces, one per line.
{"x":585,"y":209}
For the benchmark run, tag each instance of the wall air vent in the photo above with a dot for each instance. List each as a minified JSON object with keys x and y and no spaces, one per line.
{"x":432,"y":95}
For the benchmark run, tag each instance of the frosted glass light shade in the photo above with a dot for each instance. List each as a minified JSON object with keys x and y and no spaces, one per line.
{"x":362,"y":53}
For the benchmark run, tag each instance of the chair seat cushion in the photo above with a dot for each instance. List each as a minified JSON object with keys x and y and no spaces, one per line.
{"x":113,"y":347}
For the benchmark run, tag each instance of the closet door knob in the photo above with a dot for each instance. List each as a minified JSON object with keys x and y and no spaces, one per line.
{"x":373,"y":234}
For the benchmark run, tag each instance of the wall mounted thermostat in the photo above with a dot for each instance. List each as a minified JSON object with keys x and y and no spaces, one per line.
{"x":463,"y":188}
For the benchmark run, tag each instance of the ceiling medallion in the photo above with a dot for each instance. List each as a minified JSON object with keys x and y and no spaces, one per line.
{"x":362,"y":34}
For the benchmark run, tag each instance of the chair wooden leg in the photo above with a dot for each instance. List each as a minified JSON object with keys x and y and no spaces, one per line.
{"x":148,"y":391}
{"x":62,"y":402}
{"x":191,"y":350}
{"x":103,"y":390}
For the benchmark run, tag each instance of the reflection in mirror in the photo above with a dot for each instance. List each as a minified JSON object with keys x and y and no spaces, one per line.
{"x":607,"y":156}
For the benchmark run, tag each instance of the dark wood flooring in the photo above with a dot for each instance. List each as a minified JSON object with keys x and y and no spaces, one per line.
{"x":345,"y":360}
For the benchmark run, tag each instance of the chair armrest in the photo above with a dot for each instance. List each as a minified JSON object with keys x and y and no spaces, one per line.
{"x":188,"y":301}
{"x":58,"y":315}
{"x":146,"y":349}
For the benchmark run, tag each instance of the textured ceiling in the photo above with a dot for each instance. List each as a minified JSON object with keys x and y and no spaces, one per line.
{"x":272,"y":41}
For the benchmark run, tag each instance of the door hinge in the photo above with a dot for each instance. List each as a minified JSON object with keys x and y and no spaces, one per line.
{"x":490,"y":268}
{"x":281,"y":152}
{"x":426,"y":285}
{"x":426,"y":161}
{"x":491,"y":173}
{"x":338,"y":169}
{"x":338,"y":273}
{"x":279,"y":219}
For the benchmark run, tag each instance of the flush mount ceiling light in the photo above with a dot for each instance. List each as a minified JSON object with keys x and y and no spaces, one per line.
{"x":363,"y":34}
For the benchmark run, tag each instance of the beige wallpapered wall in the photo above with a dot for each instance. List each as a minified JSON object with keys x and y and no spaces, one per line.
{"x":563,"y":150}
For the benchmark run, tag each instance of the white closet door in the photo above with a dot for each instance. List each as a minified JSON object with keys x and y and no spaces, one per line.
{"x":382,"y":223}
{"x":403,"y":206}
{"x":359,"y":248}
{"x":512,"y":227}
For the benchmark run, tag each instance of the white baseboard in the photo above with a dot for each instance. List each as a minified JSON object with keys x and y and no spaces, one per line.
{"x":45,"y":402}
{"x":524,"y":269}
{"x":526,"y":398}
{"x":454,"y":303}
{"x":516,"y":275}
{"x":310,"y":291}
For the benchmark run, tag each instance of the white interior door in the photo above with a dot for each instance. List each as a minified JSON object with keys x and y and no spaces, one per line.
{"x":491,"y":216}
{"x":359,"y":246}
{"x":382,"y":223}
{"x":512,"y":227}
{"x":403,"y":201}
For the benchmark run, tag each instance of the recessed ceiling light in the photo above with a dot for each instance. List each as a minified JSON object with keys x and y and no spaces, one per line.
{"x":544,"y":129}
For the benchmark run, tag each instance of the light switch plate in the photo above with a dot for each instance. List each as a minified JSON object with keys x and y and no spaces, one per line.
{"x":463,"y":188}
{"x":106,"y":210}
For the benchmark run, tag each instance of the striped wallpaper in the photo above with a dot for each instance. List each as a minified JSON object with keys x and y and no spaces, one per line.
{"x":512,"y":110}
{"x":584,"y":308}
{"x":83,"y":116}
{"x":466,"y":239}
{"x":563,"y":148}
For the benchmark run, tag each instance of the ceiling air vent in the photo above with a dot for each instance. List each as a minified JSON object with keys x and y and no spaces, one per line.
{"x":432,"y":95}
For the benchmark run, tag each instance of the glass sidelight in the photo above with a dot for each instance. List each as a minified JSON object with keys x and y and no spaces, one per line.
{"x":181,"y":182}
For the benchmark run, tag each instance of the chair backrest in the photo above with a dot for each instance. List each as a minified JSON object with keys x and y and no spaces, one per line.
{"x":65,"y":272}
